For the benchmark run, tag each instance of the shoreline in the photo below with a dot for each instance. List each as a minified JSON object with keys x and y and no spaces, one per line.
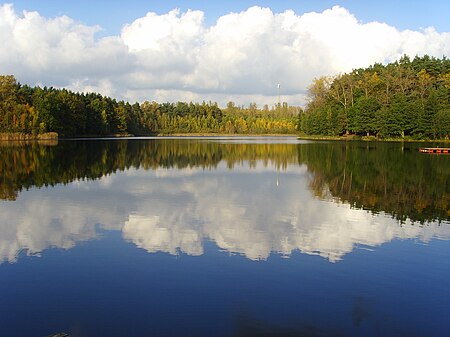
{"x":19,"y":139}
{"x":180,"y":135}
{"x":372,"y":139}
{"x":53,"y":137}
{"x":207,"y":134}
{"x":19,"y":136}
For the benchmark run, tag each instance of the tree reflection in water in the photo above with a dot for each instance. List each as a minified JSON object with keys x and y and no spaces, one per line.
{"x":249,"y":198}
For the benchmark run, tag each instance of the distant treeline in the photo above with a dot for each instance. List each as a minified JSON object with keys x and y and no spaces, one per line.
{"x":402,"y":99}
{"x":36,"y":110}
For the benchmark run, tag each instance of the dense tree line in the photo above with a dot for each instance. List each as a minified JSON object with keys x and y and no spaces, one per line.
{"x":209,"y":118}
{"x":35,"y":110}
{"x":401,"y":99}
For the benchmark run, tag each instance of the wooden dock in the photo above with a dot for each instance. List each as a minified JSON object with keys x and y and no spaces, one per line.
{"x":436,"y":150}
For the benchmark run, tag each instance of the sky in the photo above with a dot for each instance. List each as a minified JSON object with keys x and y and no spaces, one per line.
{"x":206,"y":50}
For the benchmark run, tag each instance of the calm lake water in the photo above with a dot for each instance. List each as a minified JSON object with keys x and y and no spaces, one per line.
{"x":224,"y":237}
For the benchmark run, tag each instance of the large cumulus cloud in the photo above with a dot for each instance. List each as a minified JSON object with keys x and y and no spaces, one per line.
{"x":176,"y":56}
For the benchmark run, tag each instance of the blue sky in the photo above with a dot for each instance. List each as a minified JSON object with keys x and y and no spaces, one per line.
{"x":211,"y":50}
{"x":112,"y":14}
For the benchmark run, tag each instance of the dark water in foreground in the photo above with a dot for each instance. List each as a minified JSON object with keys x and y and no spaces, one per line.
{"x":224,"y":237}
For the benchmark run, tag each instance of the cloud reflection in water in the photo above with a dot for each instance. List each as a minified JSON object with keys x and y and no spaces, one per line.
{"x":250,"y":211}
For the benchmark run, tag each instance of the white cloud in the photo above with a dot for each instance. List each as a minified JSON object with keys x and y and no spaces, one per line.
{"x":158,"y":32}
{"x":176,"y":56}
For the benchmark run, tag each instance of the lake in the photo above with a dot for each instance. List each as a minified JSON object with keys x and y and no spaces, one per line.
{"x":238,"y":236}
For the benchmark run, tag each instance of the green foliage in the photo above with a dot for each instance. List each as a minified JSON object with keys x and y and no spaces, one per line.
{"x":404,"y":98}
{"x":38,"y":110}
{"x":362,"y":115}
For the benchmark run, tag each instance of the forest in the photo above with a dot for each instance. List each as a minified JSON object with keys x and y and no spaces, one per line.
{"x":35,"y":110}
{"x":407,"y":99}
{"x":404,"y":99}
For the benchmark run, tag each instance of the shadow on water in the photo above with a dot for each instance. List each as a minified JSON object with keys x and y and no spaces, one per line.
{"x":249,"y":327}
{"x":360,"y":311}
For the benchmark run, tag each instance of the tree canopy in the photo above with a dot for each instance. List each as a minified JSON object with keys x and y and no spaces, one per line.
{"x":36,"y":110}
{"x":401,"y":99}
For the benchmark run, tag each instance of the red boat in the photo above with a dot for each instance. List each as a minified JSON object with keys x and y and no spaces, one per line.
{"x":437,"y":150}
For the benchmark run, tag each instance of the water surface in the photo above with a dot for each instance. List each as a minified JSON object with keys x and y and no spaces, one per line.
{"x":224,"y":237}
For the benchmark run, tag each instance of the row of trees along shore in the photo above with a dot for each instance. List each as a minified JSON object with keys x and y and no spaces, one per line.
{"x":401,"y":99}
{"x":35,"y":110}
